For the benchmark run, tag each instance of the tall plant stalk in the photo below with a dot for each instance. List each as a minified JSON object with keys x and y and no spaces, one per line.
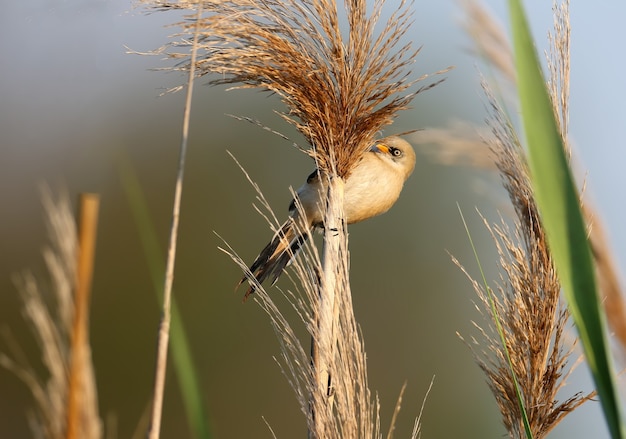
{"x":333,"y":283}
{"x":65,"y":396}
{"x":87,"y":231}
{"x":154,"y":427}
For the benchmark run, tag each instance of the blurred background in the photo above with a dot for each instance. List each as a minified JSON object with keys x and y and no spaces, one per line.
{"x":76,"y":109}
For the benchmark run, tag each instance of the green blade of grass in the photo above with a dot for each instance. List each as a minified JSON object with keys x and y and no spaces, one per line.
{"x":561,"y":215}
{"x":195,"y":407}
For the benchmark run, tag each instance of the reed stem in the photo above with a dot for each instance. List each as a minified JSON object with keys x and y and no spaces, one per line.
{"x":88,"y":225}
{"x":164,"y":326}
{"x":330,"y":286}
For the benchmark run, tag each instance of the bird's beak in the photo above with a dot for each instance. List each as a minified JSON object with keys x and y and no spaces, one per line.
{"x":380,"y":148}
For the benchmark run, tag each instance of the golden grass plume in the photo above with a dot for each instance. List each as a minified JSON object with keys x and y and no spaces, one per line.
{"x":340,"y":87}
{"x":526,"y":359}
{"x":527,"y":306}
{"x":558,"y":65}
{"x":67,"y":358}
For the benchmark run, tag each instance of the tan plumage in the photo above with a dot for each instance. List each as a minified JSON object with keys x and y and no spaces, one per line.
{"x":371,"y":189}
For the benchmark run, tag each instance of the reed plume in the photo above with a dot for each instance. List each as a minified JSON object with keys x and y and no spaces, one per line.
{"x":66,"y":404}
{"x":339,"y":90}
{"x":526,"y":359}
{"x":526,"y":356}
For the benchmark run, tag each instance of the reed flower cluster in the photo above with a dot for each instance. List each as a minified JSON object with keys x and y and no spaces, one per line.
{"x":340,"y":80}
{"x":66,"y":401}
{"x":524,"y":351}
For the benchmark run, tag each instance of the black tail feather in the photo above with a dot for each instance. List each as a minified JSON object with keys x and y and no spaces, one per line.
{"x":275,"y":256}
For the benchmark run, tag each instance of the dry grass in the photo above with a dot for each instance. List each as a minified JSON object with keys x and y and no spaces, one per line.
{"x":340,"y":87}
{"x":527,"y":306}
{"x":342,"y":81}
{"x":558,"y":62}
{"x":558,"y":59}
{"x":62,"y":338}
{"x":163,"y":335}
{"x":489,"y":38}
{"x":354,"y":411}
{"x":454,"y":146}
{"x":524,"y":354}
{"x":459,"y":144}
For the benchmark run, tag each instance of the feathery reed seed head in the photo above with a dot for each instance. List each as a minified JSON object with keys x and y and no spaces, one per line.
{"x":50,"y":314}
{"x":529,"y":354}
{"x":340,"y":90}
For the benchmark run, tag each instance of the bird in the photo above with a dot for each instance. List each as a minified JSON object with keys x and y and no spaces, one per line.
{"x":372,"y":187}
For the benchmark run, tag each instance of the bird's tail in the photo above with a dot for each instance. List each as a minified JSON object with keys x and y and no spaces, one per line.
{"x":276,"y":255}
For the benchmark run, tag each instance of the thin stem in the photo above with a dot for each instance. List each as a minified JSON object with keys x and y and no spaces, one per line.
{"x":164,"y":326}
{"x":88,"y":224}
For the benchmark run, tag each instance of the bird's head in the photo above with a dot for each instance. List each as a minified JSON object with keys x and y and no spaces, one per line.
{"x":398,"y":151}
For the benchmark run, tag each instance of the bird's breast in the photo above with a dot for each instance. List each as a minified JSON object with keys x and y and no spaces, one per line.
{"x":370,"y":192}
{"x":371,"y":189}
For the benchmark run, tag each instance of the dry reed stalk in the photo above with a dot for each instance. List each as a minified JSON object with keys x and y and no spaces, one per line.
{"x":533,"y":359}
{"x":526,"y":363}
{"x":354,"y":412}
{"x":340,"y":90}
{"x":455,"y":147}
{"x":334,"y":267}
{"x":458,"y":144}
{"x":558,"y":59}
{"x":154,"y":426}
{"x":87,"y":230}
{"x":489,"y":38}
{"x":608,"y":277}
{"x":66,"y":405}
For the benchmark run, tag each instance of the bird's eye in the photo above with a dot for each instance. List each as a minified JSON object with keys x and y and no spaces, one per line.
{"x":395,"y":152}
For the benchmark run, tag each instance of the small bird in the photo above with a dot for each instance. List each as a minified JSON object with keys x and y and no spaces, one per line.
{"x":371,"y":189}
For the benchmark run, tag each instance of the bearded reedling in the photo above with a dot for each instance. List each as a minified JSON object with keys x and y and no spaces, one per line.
{"x":370,"y":190}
